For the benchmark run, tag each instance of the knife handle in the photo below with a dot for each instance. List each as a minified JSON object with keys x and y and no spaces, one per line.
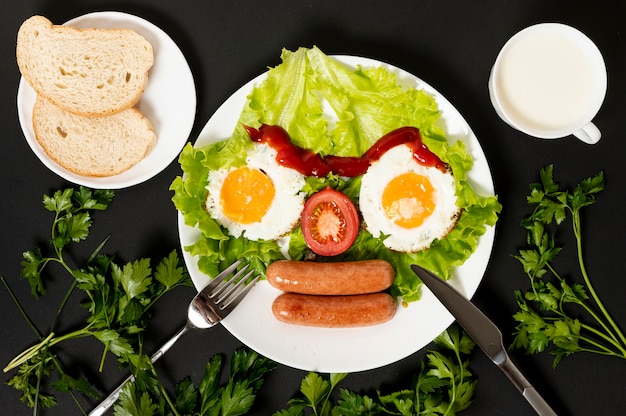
{"x":537,"y":402}
{"x":531,"y":395}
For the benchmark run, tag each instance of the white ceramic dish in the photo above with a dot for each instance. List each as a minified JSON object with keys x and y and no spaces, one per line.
{"x":169,"y":101}
{"x":356,"y":349}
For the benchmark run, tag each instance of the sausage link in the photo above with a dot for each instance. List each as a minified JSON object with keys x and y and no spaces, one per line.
{"x":333,"y":278}
{"x":341,"y":311}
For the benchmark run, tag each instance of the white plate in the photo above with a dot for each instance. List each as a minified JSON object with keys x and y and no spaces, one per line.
{"x":169,"y":101}
{"x":356,"y":349}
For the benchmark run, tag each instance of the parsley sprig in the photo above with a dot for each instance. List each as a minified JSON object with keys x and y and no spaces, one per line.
{"x":443,"y":386}
{"x":546,"y":316}
{"x":210,"y":397}
{"x":119,"y":299}
{"x":73,"y":211}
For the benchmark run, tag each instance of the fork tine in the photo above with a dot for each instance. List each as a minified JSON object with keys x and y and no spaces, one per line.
{"x":237,"y":297}
{"x":221,"y":277}
{"x":225,"y":291}
{"x":225,"y":285}
{"x":232,"y":288}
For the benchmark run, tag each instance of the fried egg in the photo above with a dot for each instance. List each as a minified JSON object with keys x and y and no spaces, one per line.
{"x":261,"y":200}
{"x":409,"y":203}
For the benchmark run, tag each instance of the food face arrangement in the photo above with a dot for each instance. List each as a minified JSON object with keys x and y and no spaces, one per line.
{"x":331,"y":165}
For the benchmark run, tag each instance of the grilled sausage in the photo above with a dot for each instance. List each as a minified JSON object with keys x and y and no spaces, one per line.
{"x":334,"y":278}
{"x":340,"y":311}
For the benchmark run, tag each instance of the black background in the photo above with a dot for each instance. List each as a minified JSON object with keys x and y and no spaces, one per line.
{"x":449,"y":44}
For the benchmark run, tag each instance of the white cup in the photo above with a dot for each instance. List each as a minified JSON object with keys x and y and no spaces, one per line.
{"x":549,"y":81}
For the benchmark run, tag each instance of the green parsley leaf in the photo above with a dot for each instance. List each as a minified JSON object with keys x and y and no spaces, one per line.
{"x":209,"y":386}
{"x":237,"y":398}
{"x":67,"y":384}
{"x":32,"y":265}
{"x":351,"y":403}
{"x":186,"y":396}
{"x":59,"y":202}
{"x":98,"y":199}
{"x":316,"y":390}
{"x":134,"y":403}
{"x":170,"y":272}
{"x":114,"y":342}
{"x":134,"y":277}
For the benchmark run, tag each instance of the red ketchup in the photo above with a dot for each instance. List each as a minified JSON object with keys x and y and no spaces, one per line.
{"x":312,"y":164}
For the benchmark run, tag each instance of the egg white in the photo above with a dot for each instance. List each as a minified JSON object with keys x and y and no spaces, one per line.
{"x":397,"y":161}
{"x":285,"y":209}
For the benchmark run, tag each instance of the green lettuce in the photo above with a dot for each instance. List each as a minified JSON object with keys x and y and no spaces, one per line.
{"x":367,"y":103}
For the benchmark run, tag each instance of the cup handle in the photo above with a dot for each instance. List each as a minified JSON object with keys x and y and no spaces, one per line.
{"x":589,"y":133}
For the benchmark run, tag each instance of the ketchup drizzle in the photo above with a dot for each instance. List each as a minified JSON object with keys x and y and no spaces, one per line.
{"x":312,"y":164}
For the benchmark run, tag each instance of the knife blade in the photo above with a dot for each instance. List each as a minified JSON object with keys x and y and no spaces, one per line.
{"x":485,"y":333}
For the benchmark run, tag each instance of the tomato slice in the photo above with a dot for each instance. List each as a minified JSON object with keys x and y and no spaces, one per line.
{"x":330,"y":222}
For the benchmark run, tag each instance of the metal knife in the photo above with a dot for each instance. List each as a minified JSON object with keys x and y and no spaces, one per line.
{"x":485,"y":333}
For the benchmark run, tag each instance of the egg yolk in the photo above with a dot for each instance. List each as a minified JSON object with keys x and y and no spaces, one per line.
{"x":408,"y":199}
{"x":246,"y":195}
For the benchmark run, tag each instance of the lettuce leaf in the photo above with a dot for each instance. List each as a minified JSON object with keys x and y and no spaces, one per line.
{"x":330,"y":108}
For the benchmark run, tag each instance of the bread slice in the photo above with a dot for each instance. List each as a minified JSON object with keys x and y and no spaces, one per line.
{"x":91,"y":72}
{"x":92,"y":146}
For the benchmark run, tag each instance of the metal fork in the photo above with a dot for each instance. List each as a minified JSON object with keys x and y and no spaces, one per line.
{"x":206,"y":309}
